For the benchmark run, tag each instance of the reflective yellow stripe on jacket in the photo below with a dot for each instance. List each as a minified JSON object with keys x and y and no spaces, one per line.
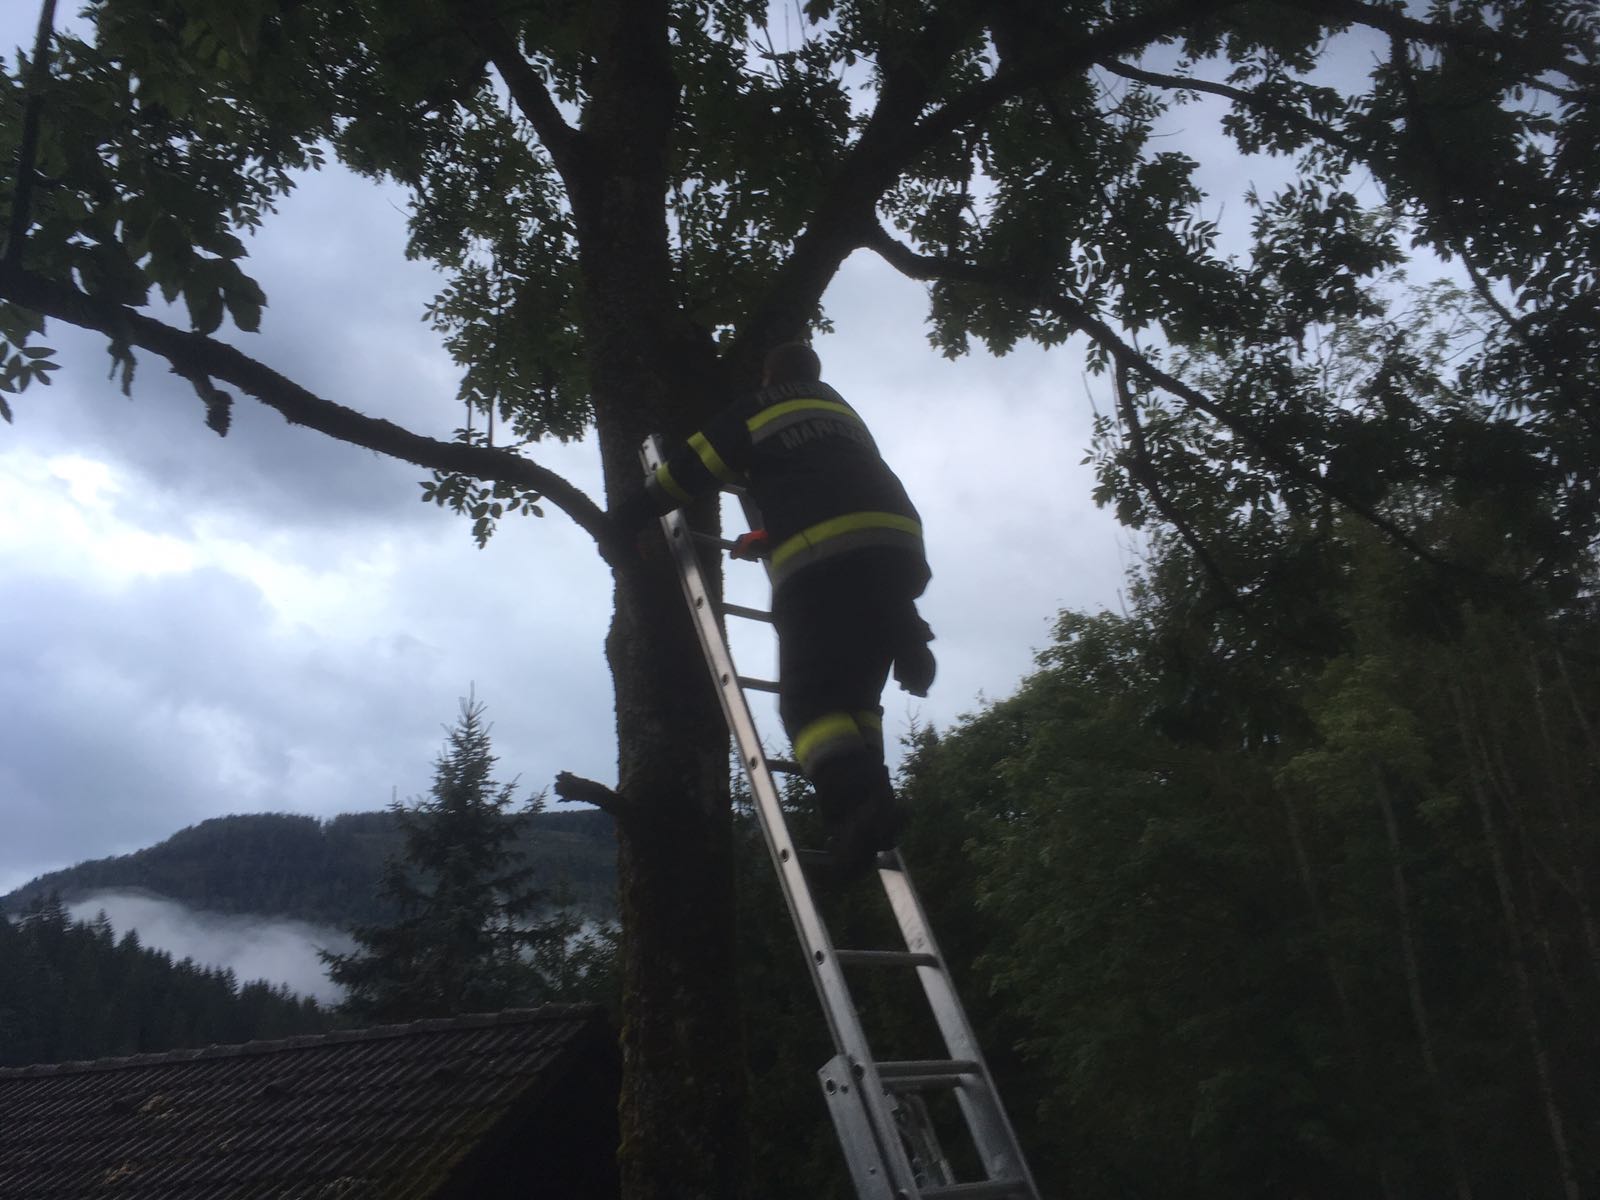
{"x":663,"y":484}
{"x":838,"y":534}
{"x":788,"y":408}
{"x":712,"y":460}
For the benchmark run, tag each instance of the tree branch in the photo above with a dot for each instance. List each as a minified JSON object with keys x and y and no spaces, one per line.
{"x":927,"y":268}
{"x":894,"y":138}
{"x":1456,"y":235}
{"x":28,"y":147}
{"x":1397,"y":24}
{"x":1250,"y":99}
{"x":574,"y":789}
{"x":846,"y":213}
{"x":1010,"y":82}
{"x":527,"y":90}
{"x":196,"y":356}
{"x":1143,"y":470}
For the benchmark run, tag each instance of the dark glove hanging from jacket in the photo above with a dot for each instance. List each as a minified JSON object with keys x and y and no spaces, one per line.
{"x":914,"y":665}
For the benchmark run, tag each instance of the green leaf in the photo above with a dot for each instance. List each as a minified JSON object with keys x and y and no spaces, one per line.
{"x":244,"y":299}
{"x":18,"y":323}
{"x":204,"y":298}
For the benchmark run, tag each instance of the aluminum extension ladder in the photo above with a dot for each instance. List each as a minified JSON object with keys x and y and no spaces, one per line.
{"x":878,"y":1107}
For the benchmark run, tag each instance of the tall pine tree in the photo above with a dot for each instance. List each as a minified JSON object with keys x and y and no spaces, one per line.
{"x":469,"y":937}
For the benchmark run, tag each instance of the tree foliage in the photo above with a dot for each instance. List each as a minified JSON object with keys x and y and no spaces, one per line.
{"x":1014,"y":157}
{"x":1277,"y":923}
{"x":1285,"y":885}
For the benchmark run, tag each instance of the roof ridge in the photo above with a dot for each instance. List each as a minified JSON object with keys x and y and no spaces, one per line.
{"x":508,"y":1016}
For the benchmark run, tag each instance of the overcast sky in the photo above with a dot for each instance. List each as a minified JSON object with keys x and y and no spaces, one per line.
{"x":193,"y":626}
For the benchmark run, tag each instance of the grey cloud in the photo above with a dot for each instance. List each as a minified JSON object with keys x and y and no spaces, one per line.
{"x":140,"y":710}
{"x":106,"y":721}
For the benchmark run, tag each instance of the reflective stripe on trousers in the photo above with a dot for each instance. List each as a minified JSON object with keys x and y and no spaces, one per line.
{"x":838,"y":733}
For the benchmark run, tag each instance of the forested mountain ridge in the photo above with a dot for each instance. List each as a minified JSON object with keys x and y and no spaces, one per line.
{"x":323,"y":872}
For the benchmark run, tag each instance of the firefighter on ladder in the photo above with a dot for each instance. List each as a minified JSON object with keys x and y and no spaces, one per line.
{"x":847,"y":565}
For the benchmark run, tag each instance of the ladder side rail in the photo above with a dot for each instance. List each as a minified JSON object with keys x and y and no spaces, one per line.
{"x":741,"y":723}
{"x":986,"y":1116}
{"x":752,"y":760}
{"x":847,"y":1106}
{"x":827,"y":972}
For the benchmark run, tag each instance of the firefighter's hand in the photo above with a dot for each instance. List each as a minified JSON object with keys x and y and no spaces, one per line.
{"x":751,"y":546}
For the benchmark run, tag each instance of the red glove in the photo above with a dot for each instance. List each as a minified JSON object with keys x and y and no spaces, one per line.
{"x":751,"y":546}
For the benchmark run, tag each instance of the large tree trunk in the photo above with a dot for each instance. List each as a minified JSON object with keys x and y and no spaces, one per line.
{"x":682,"y":1104}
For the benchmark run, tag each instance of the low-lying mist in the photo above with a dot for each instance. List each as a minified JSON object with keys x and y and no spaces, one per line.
{"x":255,"y":947}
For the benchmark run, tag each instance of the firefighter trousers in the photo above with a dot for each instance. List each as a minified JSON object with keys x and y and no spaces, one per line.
{"x":840,"y":625}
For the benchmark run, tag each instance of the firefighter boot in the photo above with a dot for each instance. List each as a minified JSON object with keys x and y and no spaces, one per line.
{"x":862,"y":814}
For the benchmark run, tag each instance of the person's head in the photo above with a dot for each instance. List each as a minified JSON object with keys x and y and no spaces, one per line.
{"x":792,"y":362}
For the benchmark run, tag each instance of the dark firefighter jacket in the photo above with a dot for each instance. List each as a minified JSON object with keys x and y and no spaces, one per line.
{"x":813,"y":471}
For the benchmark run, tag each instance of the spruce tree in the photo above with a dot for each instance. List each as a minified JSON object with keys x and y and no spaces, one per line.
{"x":466,"y":938}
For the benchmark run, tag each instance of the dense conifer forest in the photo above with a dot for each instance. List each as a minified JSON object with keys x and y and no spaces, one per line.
{"x":72,"y":990}
{"x":1290,"y":898}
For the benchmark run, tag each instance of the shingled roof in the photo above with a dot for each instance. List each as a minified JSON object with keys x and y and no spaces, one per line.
{"x":515,"y":1103}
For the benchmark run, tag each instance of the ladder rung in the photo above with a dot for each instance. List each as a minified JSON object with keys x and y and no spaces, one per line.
{"x":926,"y":1083}
{"x":927,"y":1074}
{"x":784,"y":766}
{"x":749,"y":614}
{"x":821,"y":859}
{"x":757,"y":685}
{"x":990,"y":1189}
{"x":885,"y":958}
